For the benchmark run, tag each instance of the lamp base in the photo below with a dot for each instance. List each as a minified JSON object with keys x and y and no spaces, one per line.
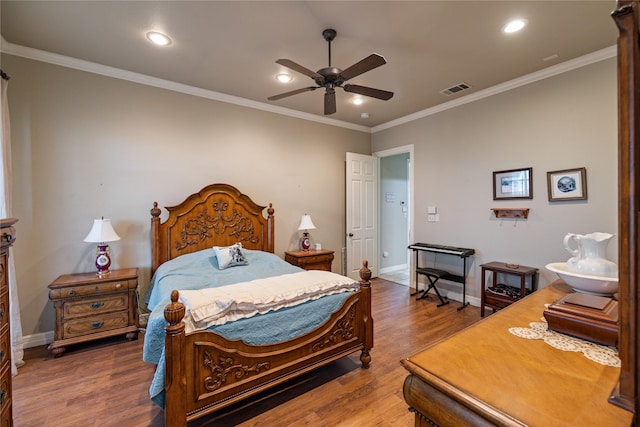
{"x":103,"y":260}
{"x":305,"y":244}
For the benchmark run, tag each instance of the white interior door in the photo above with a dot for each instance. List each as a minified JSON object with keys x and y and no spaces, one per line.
{"x":362,"y":213}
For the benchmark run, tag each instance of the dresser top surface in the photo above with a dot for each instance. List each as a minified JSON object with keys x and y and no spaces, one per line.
{"x":525,"y":378}
{"x":89,"y":278}
{"x":310,"y":252}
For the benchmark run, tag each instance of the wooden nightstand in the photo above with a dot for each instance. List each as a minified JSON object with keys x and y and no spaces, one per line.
{"x":89,"y":307}
{"x":496,"y":295}
{"x":311,"y":260}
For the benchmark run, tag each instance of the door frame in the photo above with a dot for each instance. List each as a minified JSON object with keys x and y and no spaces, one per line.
{"x":392,"y":152}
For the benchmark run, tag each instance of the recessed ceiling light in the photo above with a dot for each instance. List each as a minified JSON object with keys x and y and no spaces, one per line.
{"x":158,"y":38}
{"x":357,"y":100}
{"x":514,"y":26}
{"x":283,"y":78}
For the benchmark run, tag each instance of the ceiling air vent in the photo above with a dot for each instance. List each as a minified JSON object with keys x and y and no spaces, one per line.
{"x":455,"y":89}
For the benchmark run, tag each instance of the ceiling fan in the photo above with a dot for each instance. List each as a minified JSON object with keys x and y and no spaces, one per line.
{"x":331,"y":77}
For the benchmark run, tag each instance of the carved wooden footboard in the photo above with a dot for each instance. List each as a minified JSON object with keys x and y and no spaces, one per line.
{"x":205,"y":372}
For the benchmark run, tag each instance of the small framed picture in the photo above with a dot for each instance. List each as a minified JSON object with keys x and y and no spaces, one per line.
{"x":512,"y":184}
{"x":567,"y":184}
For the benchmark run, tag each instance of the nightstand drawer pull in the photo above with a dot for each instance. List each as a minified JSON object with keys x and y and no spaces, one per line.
{"x":97,"y":325}
{"x":3,"y":394}
{"x":1,"y":356}
{"x":1,"y":315}
{"x":97,"y":304}
{"x":72,"y":293}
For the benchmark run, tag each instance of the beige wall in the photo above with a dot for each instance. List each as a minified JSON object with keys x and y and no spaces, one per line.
{"x":567,"y":121}
{"x":86,"y":146}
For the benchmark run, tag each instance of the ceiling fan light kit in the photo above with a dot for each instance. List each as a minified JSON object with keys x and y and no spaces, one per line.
{"x":331,"y":77}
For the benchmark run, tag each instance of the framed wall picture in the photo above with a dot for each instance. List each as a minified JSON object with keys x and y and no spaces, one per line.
{"x":513,"y":184}
{"x":567,"y":184}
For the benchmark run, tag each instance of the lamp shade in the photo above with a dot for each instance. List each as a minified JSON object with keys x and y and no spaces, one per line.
{"x":306,"y":223}
{"x":102,"y":231}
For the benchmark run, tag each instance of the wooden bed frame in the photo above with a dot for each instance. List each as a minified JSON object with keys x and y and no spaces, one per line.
{"x":205,"y":372}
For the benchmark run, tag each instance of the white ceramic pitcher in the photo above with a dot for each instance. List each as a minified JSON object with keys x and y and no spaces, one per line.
{"x":589,"y":255}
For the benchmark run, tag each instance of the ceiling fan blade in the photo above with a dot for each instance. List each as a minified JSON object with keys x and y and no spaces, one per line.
{"x":299,"y":68}
{"x":329,"y":102}
{"x":368,"y":91}
{"x":293,"y":92}
{"x":369,"y":63}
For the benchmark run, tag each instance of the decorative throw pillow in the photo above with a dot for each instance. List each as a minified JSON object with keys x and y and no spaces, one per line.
{"x":230,"y":256}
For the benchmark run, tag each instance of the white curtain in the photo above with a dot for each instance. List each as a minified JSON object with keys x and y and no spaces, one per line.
{"x":17,"y":352}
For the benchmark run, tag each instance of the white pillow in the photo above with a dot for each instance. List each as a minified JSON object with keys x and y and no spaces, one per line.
{"x":230,"y":256}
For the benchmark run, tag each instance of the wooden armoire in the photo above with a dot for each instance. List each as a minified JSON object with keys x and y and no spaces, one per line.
{"x":627,"y":18}
{"x":7,"y":237}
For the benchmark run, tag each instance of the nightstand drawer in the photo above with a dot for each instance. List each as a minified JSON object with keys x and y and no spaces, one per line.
{"x":91,"y":325}
{"x":315,"y":259}
{"x":97,"y":305}
{"x":91,"y":289}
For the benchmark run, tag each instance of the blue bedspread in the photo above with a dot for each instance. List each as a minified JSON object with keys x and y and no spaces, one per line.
{"x":200,"y":270}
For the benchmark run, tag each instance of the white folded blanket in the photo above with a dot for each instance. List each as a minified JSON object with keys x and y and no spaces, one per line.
{"x":217,"y":306}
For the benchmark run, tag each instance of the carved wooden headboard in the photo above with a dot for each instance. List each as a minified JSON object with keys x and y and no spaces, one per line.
{"x":217,"y":215}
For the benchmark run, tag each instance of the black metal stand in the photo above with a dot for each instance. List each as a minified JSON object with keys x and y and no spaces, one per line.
{"x":433,"y":274}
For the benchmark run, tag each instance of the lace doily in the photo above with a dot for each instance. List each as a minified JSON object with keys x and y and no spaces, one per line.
{"x":598,"y":353}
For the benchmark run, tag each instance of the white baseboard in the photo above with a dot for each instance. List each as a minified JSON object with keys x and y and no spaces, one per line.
{"x":454,"y":296}
{"x":393,"y":268}
{"x":37,"y":340}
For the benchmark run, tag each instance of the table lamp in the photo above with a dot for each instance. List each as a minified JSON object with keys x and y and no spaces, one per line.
{"x":305,"y":224}
{"x":100,"y":233}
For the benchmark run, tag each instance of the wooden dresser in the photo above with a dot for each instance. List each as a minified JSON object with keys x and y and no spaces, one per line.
{"x":8,"y":236}
{"x":484,"y":375}
{"x":89,"y":307}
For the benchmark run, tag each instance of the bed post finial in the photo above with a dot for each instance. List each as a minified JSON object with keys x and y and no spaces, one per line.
{"x":174,"y":311}
{"x":155,"y":211}
{"x":365,"y":274}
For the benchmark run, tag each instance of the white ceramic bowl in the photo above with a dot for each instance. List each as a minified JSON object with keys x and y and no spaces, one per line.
{"x":594,"y":285}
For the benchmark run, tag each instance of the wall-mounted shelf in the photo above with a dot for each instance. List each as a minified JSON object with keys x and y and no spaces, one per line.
{"x":511,"y":212}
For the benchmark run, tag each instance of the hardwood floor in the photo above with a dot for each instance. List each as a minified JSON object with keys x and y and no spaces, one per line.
{"x":105,"y":383}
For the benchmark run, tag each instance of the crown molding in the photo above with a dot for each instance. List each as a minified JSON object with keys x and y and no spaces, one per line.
{"x":117,"y":73}
{"x":91,"y":67}
{"x":591,"y":58}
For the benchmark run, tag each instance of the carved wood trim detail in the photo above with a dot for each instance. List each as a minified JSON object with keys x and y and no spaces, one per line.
{"x":225,"y":366}
{"x":197,"y":229}
{"x":343,"y":329}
